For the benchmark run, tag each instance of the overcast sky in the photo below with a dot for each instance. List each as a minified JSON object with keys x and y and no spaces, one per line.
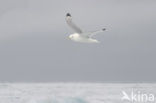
{"x":34,"y":45}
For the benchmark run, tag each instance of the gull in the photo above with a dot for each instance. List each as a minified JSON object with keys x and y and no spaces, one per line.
{"x":79,"y":35}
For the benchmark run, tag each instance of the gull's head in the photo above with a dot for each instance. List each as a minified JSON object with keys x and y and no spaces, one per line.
{"x":70,"y":36}
{"x":73,"y":36}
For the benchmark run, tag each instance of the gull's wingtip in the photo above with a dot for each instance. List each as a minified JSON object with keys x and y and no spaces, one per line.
{"x":103,"y":29}
{"x":68,"y":14}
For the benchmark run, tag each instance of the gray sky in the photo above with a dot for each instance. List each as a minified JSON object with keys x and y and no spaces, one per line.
{"x":34,"y":44}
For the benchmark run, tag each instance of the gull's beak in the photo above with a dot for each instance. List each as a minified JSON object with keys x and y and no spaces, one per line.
{"x":68,"y":37}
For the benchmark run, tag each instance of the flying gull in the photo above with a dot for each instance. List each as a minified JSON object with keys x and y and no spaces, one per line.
{"x":80,"y":36}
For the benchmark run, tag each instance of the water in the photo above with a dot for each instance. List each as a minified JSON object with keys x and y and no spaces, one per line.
{"x":69,"y":92}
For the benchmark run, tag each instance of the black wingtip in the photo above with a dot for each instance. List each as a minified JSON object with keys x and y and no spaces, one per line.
{"x":104,"y":29}
{"x":68,"y":14}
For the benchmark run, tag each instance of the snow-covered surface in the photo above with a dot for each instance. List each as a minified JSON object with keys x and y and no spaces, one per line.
{"x":68,"y":92}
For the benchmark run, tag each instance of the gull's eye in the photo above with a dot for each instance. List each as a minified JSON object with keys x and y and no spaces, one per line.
{"x":71,"y":36}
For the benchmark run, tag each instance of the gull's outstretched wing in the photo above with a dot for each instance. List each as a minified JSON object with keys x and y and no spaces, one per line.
{"x":90,"y":34}
{"x":71,"y":24}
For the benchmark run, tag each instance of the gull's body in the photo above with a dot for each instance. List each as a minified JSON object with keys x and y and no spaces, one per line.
{"x":79,"y":36}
